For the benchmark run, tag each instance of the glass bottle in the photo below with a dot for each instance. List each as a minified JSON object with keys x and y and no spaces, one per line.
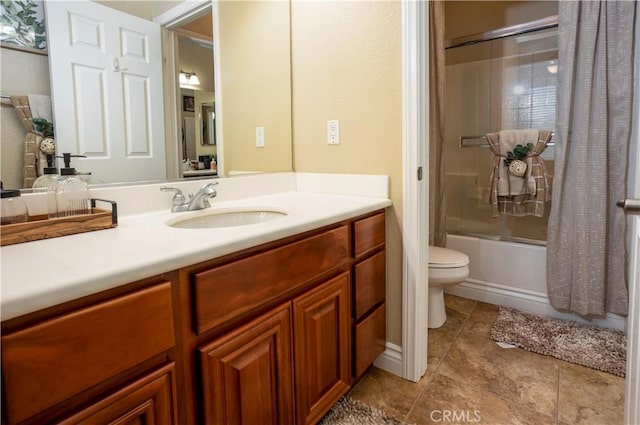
{"x":72,"y":193}
{"x":14,"y":210}
{"x":49,"y":182}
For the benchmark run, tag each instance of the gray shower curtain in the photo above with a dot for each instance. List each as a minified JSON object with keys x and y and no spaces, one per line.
{"x":437,"y":193}
{"x":586,"y":256}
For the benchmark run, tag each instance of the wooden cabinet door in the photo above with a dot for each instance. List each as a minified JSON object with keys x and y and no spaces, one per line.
{"x":247,"y":375}
{"x":321,"y":326}
{"x":149,"y":401}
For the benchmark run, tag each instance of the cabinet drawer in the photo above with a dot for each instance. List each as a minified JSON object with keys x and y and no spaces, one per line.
{"x":369,"y":288}
{"x":237,"y":288}
{"x":368,"y":234}
{"x":370,"y":340}
{"x":150,"y":400}
{"x":57,"y":359}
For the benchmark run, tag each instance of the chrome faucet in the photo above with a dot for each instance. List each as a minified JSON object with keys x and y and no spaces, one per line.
{"x":198,"y":201}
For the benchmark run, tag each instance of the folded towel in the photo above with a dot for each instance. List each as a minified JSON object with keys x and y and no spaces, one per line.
{"x":508,"y":184}
{"x":513,"y":195}
{"x":40,"y":106}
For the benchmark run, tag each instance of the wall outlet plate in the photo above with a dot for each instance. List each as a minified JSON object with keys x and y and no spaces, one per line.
{"x":333,"y":132}
{"x":259,"y":137}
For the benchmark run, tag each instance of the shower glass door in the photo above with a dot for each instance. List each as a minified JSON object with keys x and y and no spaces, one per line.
{"x":504,"y":84}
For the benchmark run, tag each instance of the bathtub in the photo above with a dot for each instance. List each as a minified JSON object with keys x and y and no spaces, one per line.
{"x":514,"y":275}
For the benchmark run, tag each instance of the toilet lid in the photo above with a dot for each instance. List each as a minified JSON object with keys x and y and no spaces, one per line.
{"x":446,"y":258}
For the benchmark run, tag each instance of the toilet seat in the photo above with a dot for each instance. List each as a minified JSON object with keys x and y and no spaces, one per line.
{"x":444,"y":258}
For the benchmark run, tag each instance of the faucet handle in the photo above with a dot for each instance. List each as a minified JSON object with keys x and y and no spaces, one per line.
{"x":178,"y":198}
{"x":206,"y":186}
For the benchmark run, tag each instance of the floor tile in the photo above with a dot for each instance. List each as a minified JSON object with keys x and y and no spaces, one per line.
{"x":459,"y":304}
{"x":468,"y":376}
{"x":529,"y":380}
{"x":447,"y":401}
{"x":481,"y":319}
{"x":387,"y":392}
{"x":588,"y":396}
{"x":440,"y":339}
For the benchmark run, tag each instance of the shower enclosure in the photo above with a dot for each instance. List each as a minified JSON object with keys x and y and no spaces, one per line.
{"x":502,"y":80}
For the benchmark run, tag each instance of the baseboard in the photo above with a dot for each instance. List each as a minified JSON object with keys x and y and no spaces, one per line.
{"x":391,"y":359}
{"x":525,"y":300}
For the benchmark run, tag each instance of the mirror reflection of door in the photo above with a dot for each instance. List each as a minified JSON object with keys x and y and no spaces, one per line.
{"x":208,"y":119}
{"x":189,"y":136}
{"x":195,"y":57}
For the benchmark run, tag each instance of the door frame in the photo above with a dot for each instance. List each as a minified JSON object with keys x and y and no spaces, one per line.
{"x":415,"y":129}
{"x":415,"y":26}
{"x":175,"y":17}
{"x":632,"y":393}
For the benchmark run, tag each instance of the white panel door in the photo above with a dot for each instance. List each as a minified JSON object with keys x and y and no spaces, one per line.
{"x":106,"y":83}
{"x":190,"y":137}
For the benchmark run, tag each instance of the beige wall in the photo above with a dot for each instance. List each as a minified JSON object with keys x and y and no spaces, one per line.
{"x":143,"y":9}
{"x":346,"y":61}
{"x":256,"y":90}
{"x":147,"y":9}
{"x":21,"y":73}
{"x":194,"y":57}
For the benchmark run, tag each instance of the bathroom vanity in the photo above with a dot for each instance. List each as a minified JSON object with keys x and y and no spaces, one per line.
{"x":275,"y":332}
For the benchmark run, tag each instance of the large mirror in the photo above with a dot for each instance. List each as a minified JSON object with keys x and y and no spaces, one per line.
{"x":251,"y":95}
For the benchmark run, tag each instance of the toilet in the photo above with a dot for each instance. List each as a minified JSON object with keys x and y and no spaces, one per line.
{"x":446,"y":268}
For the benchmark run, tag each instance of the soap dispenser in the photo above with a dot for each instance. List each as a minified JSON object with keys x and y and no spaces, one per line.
{"x":49,"y":181}
{"x":72,"y":193}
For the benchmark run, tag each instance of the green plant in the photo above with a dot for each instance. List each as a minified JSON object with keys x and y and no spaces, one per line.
{"x":22,"y":23}
{"x":43,"y":127}
{"x":519,"y":152}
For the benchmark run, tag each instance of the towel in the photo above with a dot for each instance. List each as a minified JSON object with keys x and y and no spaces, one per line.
{"x":29,"y":107}
{"x":513,"y":195}
{"x":40,"y":106}
{"x":508,"y":184}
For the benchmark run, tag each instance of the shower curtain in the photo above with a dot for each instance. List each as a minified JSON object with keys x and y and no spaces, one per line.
{"x":437,"y":193}
{"x":586,"y":256}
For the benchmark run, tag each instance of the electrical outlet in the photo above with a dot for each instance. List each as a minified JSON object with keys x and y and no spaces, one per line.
{"x":259,"y":137}
{"x":333,"y":132}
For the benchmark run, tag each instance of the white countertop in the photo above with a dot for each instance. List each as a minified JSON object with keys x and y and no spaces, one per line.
{"x":41,"y":274}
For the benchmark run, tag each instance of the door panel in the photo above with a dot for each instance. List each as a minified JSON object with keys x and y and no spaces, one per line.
{"x":247,"y":375}
{"x":321,"y":326}
{"x":106,"y":82}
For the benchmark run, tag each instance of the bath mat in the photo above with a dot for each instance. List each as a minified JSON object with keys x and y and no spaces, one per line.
{"x":348,"y":411}
{"x":587,"y":345}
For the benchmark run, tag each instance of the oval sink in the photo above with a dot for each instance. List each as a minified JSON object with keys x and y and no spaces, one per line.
{"x":226,"y":218}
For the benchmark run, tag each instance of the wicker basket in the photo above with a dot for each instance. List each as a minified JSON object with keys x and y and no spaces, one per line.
{"x":518,"y":168}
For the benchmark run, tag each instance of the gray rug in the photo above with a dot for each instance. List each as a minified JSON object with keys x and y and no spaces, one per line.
{"x":348,"y":411}
{"x":591,"y":346}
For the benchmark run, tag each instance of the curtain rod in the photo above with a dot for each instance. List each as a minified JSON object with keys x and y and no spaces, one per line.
{"x":463,"y":139}
{"x":538,"y":24}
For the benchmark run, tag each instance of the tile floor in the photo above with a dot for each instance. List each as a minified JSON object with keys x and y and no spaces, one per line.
{"x":471,"y":380}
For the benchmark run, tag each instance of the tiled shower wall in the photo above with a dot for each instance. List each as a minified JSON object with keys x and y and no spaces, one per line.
{"x":491,"y":86}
